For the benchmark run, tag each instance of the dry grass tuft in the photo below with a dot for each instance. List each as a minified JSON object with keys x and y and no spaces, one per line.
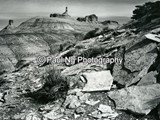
{"x":55,"y":88}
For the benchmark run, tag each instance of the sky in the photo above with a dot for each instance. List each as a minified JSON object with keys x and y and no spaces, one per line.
{"x":21,"y":10}
{"x":102,"y":8}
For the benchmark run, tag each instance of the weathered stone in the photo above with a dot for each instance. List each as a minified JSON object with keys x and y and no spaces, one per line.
{"x":19,"y":116}
{"x":2,"y":97}
{"x":33,"y":116}
{"x":105,"y":108}
{"x":53,"y":115}
{"x":74,"y":92}
{"x":140,"y":75}
{"x":156,"y":31}
{"x":121,"y":75}
{"x":72,"y":102}
{"x":140,"y":55}
{"x":104,"y":112}
{"x":136,"y":58}
{"x":92,"y":102}
{"x":80,"y":110}
{"x":107,"y":111}
{"x":83,"y":98}
{"x":51,"y":108}
{"x":98,"y":81}
{"x":153,"y":37}
{"x":96,"y":114}
{"x":138,"y":99}
{"x":121,"y":31}
{"x":148,"y":79}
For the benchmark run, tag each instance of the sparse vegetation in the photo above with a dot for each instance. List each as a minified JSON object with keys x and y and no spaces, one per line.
{"x":55,"y":87}
{"x":151,"y":9}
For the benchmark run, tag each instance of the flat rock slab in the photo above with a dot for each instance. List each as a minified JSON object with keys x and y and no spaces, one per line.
{"x":137,"y":59}
{"x":153,"y":37}
{"x":98,"y":81}
{"x":140,"y":55}
{"x":138,"y":99}
{"x":148,"y":79}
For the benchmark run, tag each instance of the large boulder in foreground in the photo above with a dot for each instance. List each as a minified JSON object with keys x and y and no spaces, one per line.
{"x":138,"y":99}
{"x":98,"y":81}
{"x":137,"y":58}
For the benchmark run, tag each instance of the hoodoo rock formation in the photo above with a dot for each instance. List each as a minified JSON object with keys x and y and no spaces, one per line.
{"x":9,"y":28}
{"x":63,"y":15}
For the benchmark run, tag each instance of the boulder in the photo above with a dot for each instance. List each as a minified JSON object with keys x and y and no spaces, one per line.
{"x":105,"y":108}
{"x":153,"y":37}
{"x":80,"y":110}
{"x":148,"y":79}
{"x":98,"y":81}
{"x":138,"y":99}
{"x":140,"y":55}
{"x":52,"y":115}
{"x":33,"y":116}
{"x":104,"y":111}
{"x":156,"y":31}
{"x":137,"y":59}
{"x":72,"y":102}
{"x":121,"y":75}
{"x":140,"y":75}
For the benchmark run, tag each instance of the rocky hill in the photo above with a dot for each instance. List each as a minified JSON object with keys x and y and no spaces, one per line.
{"x":39,"y":36}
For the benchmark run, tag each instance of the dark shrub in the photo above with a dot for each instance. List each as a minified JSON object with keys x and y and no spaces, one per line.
{"x":149,"y":8}
{"x":55,"y":88}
